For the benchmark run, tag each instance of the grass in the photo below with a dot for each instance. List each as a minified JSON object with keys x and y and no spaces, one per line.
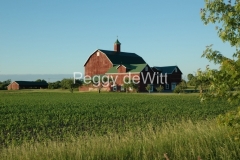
{"x":185,"y":140}
{"x":62,"y":125}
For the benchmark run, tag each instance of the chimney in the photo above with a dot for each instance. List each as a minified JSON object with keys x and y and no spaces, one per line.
{"x":117,"y":46}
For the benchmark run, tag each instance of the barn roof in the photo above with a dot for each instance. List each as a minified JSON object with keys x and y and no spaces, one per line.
{"x":121,"y":57}
{"x":167,"y":69}
{"x":31,"y":83}
{"x":131,"y":68}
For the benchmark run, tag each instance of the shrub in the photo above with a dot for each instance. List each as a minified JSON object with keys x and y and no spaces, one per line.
{"x":159,"y":88}
{"x":148,"y":88}
{"x":231,"y":119}
{"x":177,"y":89}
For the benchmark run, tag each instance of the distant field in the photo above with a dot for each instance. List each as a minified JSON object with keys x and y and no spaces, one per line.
{"x":30,"y":117}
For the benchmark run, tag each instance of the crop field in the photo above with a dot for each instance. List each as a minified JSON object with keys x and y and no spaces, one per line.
{"x":39,"y":117}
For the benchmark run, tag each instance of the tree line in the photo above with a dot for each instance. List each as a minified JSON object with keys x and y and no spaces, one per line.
{"x":66,"y":83}
{"x":4,"y":84}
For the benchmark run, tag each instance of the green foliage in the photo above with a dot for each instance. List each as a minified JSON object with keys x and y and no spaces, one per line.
{"x":180,"y":87}
{"x":202,"y":81}
{"x":190,"y":76}
{"x":69,"y":84}
{"x":148,"y":88}
{"x":4,"y":84}
{"x":192,"y":80}
{"x":66,"y":83}
{"x":159,"y":88}
{"x":226,"y":14}
{"x":54,"y":85}
{"x":223,"y":83}
{"x":226,"y":79}
{"x":177,"y":89}
{"x":130,"y":84}
{"x":87,"y":82}
{"x":183,"y":84}
{"x":199,"y":81}
{"x":231,"y":119}
{"x":40,"y":80}
{"x":42,"y":116}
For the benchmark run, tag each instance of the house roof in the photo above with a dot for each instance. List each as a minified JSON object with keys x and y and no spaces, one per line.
{"x":167,"y":69}
{"x":131,"y":68}
{"x":123,"y":57}
{"x":31,"y":83}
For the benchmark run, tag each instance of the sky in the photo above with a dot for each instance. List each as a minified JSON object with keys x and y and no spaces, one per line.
{"x":57,"y":37}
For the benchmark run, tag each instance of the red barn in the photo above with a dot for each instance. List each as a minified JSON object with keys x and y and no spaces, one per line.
{"x":121,"y":65}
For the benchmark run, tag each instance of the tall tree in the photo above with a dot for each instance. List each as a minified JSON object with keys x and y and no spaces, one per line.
{"x":54,"y":85}
{"x":4,"y":84}
{"x":227,"y":15}
{"x":190,"y":76}
{"x":225,"y":82}
{"x":222,"y":82}
{"x":40,"y":80}
{"x":69,"y":84}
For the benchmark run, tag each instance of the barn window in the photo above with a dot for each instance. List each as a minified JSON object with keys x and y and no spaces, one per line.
{"x":115,"y":88}
{"x":98,"y":53}
{"x":146,"y":68}
{"x":167,"y":86}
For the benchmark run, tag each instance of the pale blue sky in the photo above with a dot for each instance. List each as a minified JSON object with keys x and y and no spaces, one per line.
{"x":58,"y":36}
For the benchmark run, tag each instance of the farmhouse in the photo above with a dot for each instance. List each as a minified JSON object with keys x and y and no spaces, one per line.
{"x":16,"y":85}
{"x":118,"y":65}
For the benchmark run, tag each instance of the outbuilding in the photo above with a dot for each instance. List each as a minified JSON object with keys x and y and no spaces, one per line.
{"x":16,"y":85}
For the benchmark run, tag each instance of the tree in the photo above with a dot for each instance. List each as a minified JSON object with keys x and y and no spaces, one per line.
{"x":180,"y":87}
{"x":130,"y":84}
{"x":159,"y":88}
{"x":54,"y":85}
{"x":223,"y":83}
{"x":202,"y":81}
{"x":99,"y":86}
{"x":4,"y":84}
{"x":225,"y":14}
{"x":177,"y":89}
{"x":190,"y":77}
{"x":148,"y":88}
{"x":191,"y":80}
{"x":69,"y":84}
{"x":135,"y":87}
{"x":184,"y":84}
{"x":40,"y":80}
{"x":126,"y":86}
{"x":199,"y":81}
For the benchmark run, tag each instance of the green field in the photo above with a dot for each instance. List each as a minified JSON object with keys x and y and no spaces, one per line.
{"x":112,"y":126}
